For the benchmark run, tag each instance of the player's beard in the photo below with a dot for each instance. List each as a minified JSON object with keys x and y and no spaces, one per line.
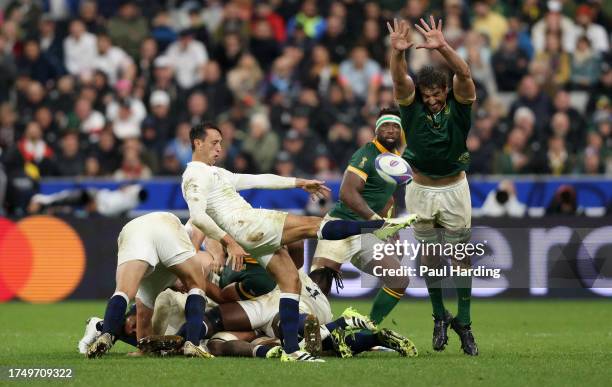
{"x":389,"y":144}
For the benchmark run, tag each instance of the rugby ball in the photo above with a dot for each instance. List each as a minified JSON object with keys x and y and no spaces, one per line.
{"x":393,"y":169}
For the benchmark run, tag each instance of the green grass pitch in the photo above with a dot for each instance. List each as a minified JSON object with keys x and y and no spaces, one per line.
{"x":540,"y":342}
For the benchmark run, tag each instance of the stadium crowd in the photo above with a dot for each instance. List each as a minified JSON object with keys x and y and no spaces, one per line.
{"x":111,"y":88}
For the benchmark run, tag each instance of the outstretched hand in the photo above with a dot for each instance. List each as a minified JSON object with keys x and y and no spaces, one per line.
{"x":434,"y":38}
{"x":316,"y":188}
{"x":400,"y":35}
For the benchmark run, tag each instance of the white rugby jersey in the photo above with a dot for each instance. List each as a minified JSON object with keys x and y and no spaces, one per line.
{"x":212,"y":197}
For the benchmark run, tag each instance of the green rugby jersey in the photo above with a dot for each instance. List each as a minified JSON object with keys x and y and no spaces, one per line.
{"x":436,"y":143}
{"x":253,"y":280}
{"x":376,"y":191}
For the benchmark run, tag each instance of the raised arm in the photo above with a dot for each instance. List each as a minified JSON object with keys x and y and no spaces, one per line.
{"x":463,"y":85}
{"x":403,"y":86}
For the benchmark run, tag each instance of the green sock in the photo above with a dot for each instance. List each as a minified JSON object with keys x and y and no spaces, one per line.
{"x":435,"y":296}
{"x":385,"y":301}
{"x":464,"y":297}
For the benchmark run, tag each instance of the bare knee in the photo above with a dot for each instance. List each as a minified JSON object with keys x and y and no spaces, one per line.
{"x":311,"y":226}
{"x":290,"y":282}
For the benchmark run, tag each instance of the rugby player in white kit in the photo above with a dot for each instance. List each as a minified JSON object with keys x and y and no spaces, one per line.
{"x":153,"y":250}
{"x":216,"y":208}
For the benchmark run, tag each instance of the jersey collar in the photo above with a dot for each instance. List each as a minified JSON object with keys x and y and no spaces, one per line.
{"x":382,"y":148}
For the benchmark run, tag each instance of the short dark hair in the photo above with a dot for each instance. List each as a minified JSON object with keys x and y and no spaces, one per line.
{"x":199,"y":132}
{"x":388,"y":110}
{"x":431,"y":77}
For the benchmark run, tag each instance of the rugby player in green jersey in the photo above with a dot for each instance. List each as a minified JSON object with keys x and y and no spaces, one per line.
{"x":364,"y":195}
{"x":436,"y":118}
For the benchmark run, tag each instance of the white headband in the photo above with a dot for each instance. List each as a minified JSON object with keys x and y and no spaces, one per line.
{"x":388,"y":118}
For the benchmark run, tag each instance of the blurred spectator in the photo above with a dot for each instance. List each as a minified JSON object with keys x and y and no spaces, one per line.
{"x":51,"y":45}
{"x":590,"y":159}
{"x":35,"y":64}
{"x":107,"y":153}
{"x":530,"y":95}
{"x":284,"y":166}
{"x":262,"y":144}
{"x":264,"y":11}
{"x":361,"y":76}
{"x":509,"y":63}
{"x":163,"y":77}
{"x":365,"y":134}
{"x":79,"y":49}
{"x":596,"y":34}
{"x":197,"y":109}
{"x":35,"y":97}
{"x":44,"y":117}
{"x":586,"y":65}
{"x":478,"y":55}
{"x":233,"y":21}
{"x":480,"y":143}
{"x":308,"y":19}
{"x":336,"y":40}
{"x":554,"y":21}
{"x":324,"y":168}
{"x":556,"y":161}
{"x":86,"y":120}
{"x":341,"y":143}
{"x":514,"y":157}
{"x":62,"y":99}
{"x":556,"y":60}
{"x":503,"y":202}
{"x":8,"y":70}
{"x":88,"y":13}
{"x":531,"y":11}
{"x":215,"y":88}
{"x":263,"y":45}
{"x":70,"y":160}
{"x":180,"y":145}
{"x":371,"y":40}
{"x":132,"y":167}
{"x":156,"y":128}
{"x":564,"y":202}
{"x":112,"y":60}
{"x":32,"y":156}
{"x":243,"y":163}
{"x":146,"y":59}
{"x":162,"y":31}
{"x":126,"y":114}
{"x":243,"y":81}
{"x":321,"y":71}
{"x":600,"y":96}
{"x":300,"y":155}
{"x":229,"y":52}
{"x":128,"y":29}
{"x":186,"y":56}
{"x":577,"y":131}
{"x":489,"y":22}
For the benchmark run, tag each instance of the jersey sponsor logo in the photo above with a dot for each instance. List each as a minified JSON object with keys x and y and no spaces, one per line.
{"x":42,"y":259}
{"x":363,"y":161}
{"x":464,"y":158}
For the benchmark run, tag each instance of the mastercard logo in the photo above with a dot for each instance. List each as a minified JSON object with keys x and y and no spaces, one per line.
{"x":42,"y":259}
